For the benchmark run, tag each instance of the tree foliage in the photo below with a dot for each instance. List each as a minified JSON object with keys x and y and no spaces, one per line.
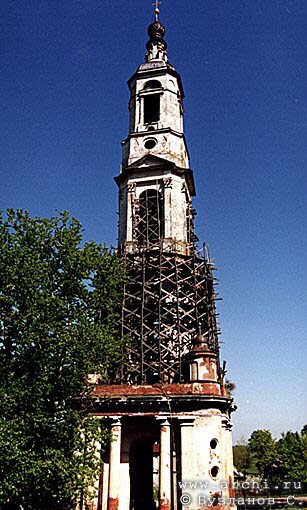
{"x":58,"y":323}
{"x":242,"y":458}
{"x":280,"y":460}
{"x":263,"y":449}
{"x":292,"y":454}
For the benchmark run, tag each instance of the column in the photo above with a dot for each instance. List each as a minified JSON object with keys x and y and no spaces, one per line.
{"x":165,"y":464}
{"x":187,"y":447}
{"x":114,"y":466}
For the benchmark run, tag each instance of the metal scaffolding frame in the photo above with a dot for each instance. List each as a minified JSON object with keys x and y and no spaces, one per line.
{"x":169,"y":299}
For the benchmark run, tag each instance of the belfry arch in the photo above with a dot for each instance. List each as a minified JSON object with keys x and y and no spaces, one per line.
{"x":149,"y":227}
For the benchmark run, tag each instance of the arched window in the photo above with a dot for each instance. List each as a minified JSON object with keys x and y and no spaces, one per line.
{"x":151,"y":108}
{"x":150,"y":220}
{"x":194,"y":371}
{"x":152,"y":84}
{"x":151,"y":102}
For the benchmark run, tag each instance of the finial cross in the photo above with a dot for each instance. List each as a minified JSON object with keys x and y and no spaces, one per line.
{"x":157,"y":10}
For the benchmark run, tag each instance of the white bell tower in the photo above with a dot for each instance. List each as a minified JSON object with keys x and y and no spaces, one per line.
{"x":155,"y":160}
{"x":168,"y":407}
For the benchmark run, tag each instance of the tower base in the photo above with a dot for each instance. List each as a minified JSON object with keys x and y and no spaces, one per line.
{"x":170,"y":447}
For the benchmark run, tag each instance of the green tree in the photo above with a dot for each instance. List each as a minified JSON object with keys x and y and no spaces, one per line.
{"x":263,"y":449}
{"x":58,"y":323}
{"x":292,"y":454}
{"x":304,"y":442}
{"x":241,"y":458}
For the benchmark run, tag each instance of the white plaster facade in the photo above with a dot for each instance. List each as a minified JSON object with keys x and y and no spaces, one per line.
{"x":200,"y":464}
{"x":168,"y":130}
{"x":176,"y":195}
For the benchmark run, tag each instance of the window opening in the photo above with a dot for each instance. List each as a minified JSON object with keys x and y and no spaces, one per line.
{"x":150,"y":218}
{"x":152,"y":84}
{"x":213,"y":444}
{"x":151,"y":108}
{"x":214,"y":471}
{"x":194,"y":371}
{"x":150,"y":144}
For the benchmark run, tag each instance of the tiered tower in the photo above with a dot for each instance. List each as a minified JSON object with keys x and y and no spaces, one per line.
{"x":168,"y":409}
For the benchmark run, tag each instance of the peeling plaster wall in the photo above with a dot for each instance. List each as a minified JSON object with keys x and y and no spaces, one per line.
{"x":197,"y":456}
{"x":170,"y":101}
{"x":170,"y":143}
{"x":175,"y":203}
{"x":206,"y":428}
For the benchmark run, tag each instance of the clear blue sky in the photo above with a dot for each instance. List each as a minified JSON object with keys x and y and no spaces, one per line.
{"x":63,"y":94}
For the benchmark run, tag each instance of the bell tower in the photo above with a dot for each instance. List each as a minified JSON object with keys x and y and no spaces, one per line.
{"x":155,"y":159}
{"x":167,"y":408}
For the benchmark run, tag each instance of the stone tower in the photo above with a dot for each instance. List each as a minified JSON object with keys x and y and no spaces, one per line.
{"x":168,"y":409}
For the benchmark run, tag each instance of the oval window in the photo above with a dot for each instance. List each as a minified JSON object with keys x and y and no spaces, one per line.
{"x":214,"y":471}
{"x":213,"y":444}
{"x":150,"y":143}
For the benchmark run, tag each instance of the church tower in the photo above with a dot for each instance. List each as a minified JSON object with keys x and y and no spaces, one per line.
{"x":168,"y":408}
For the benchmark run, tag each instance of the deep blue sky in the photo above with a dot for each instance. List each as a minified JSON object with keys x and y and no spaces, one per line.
{"x":63,"y":94}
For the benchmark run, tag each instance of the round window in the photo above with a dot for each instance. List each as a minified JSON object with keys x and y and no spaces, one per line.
{"x":214,"y":471}
{"x":150,"y":143}
{"x":213,"y":444}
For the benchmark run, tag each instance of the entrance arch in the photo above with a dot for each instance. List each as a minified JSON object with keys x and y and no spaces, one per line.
{"x":141,"y":475}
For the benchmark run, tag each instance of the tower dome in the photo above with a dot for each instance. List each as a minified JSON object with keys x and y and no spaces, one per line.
{"x":156,"y":46}
{"x":156,"y":30}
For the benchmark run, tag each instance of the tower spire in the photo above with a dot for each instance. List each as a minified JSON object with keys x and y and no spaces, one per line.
{"x":156,"y":46}
{"x":157,"y":10}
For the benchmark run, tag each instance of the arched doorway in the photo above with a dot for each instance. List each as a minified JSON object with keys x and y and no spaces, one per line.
{"x":141,"y":475}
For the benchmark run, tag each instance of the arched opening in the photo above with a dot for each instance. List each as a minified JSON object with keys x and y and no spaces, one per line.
{"x":151,"y":108}
{"x":152,"y":84}
{"x":214,"y":471}
{"x":194,"y":371}
{"x":150,"y":219}
{"x":141,"y":475}
{"x":213,"y":443}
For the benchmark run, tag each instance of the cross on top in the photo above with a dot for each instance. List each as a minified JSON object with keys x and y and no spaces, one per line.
{"x":157,"y":10}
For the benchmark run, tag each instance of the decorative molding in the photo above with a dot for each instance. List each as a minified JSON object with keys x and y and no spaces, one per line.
{"x":167,"y":183}
{"x":131,"y":187}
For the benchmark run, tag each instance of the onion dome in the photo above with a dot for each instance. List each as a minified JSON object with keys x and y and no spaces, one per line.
{"x":156,"y":46}
{"x":156,"y":30}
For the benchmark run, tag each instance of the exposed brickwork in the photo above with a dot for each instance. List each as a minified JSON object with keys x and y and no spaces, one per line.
{"x":164,"y":504}
{"x":113,"y":504}
{"x":207,"y":388}
{"x":231,"y":489}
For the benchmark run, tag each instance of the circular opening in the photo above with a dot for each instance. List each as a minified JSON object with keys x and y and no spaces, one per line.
{"x":214,"y":471}
{"x":150,"y":144}
{"x":213,"y":444}
{"x":150,"y":128}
